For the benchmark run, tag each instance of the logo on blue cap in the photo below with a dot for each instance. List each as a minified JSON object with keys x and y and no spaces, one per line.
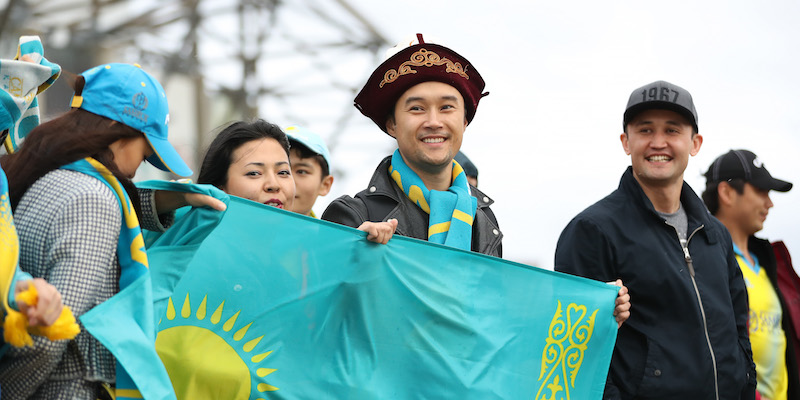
{"x":139,"y":105}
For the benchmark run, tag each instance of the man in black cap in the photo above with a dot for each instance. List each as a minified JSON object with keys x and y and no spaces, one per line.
{"x":423,"y":96}
{"x":737,"y":193}
{"x":687,"y":336}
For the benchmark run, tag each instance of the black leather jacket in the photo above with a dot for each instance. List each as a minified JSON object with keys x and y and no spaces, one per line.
{"x":687,"y":333}
{"x":383,"y":200}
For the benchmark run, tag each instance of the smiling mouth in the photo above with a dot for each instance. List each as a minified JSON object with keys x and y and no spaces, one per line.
{"x":659,"y":158}
{"x":274,"y":203}
{"x":433,"y":140}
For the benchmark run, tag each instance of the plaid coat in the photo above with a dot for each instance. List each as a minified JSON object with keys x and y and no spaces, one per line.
{"x":68,"y":225}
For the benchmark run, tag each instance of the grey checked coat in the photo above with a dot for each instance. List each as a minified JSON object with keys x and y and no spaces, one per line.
{"x":68,"y":224}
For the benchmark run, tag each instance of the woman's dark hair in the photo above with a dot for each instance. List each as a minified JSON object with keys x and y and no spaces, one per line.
{"x":711,"y":194}
{"x":71,"y":137}
{"x":219,"y":155}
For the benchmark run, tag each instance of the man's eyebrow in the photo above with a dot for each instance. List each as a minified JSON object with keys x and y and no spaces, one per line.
{"x":413,"y":99}
{"x":418,"y":98}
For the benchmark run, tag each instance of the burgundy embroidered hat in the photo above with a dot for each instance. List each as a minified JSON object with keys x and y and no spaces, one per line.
{"x":418,"y":63}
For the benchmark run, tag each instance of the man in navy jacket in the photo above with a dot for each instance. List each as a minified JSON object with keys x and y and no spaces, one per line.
{"x":687,"y":334}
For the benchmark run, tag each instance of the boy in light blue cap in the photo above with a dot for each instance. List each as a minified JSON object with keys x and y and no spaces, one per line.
{"x":310,"y":161}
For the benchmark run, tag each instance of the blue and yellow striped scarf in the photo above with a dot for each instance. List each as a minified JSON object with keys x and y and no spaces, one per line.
{"x":22,"y":82}
{"x":124,"y":324}
{"x":451,"y":212}
{"x":130,"y":249}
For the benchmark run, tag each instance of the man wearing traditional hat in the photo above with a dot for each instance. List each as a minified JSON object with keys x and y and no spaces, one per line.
{"x":424,"y":96}
{"x":737,"y":193}
{"x":687,"y":334}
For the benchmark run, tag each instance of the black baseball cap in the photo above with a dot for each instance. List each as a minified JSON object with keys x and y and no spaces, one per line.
{"x":744,"y":165}
{"x":660,"y":95}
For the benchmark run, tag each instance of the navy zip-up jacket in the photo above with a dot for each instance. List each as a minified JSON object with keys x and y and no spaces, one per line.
{"x":686,"y":337}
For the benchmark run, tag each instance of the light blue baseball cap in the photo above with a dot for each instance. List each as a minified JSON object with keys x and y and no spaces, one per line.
{"x":310,"y":140}
{"x":126,"y":93}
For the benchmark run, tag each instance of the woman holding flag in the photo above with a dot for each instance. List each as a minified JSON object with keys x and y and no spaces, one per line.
{"x":78,"y":213}
{"x":250,"y":159}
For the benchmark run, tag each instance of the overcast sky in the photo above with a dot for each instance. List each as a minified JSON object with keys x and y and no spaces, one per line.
{"x":546,"y":140}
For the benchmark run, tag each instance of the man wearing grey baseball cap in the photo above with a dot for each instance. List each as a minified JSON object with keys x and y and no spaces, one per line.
{"x":737,"y":193}
{"x":687,"y":333}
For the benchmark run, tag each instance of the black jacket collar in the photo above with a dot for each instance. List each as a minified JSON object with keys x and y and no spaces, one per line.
{"x":696,"y":210}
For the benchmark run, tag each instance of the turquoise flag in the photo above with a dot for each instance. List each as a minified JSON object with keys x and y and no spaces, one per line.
{"x":275,"y":305}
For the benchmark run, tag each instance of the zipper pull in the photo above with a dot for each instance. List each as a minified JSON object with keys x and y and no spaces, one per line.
{"x":688,"y":259}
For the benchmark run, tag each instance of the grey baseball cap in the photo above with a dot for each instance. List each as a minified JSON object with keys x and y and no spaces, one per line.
{"x":661,"y":95}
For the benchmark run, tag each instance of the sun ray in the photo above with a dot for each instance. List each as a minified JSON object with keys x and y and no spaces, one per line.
{"x":241,"y":332}
{"x":186,"y":310}
{"x":249,"y":346}
{"x":218,"y":313}
{"x":201,"y":311}
{"x":229,"y":323}
{"x":262,"y":372}
{"x":263,"y":387}
{"x":170,"y":310}
{"x":260,"y":357}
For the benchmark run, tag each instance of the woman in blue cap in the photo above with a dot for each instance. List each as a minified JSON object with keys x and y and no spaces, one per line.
{"x":78,"y":213}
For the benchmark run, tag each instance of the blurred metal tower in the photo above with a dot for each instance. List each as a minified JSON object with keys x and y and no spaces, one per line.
{"x":298,"y":61}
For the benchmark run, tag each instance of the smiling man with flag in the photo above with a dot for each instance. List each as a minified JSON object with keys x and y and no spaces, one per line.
{"x":424,"y":96}
{"x":687,"y":337}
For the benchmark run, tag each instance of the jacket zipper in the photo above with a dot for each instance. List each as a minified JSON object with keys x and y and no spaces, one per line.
{"x":690,"y":264}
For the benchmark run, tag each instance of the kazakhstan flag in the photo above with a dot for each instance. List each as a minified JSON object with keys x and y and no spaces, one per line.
{"x":275,"y":305}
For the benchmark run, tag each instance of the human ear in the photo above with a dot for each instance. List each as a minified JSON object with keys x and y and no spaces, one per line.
{"x":725,"y":193}
{"x":697,"y":141}
{"x":325,"y":185}
{"x":623,"y":137}
{"x":390,"y":127}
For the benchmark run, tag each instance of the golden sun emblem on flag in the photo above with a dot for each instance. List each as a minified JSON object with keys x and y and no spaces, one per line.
{"x":567,"y":340}
{"x":212,"y":355}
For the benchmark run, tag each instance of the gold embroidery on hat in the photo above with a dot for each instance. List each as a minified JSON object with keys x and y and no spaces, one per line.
{"x":421,"y":58}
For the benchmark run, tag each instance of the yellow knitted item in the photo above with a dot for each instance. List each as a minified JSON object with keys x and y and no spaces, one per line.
{"x":17,"y":332}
